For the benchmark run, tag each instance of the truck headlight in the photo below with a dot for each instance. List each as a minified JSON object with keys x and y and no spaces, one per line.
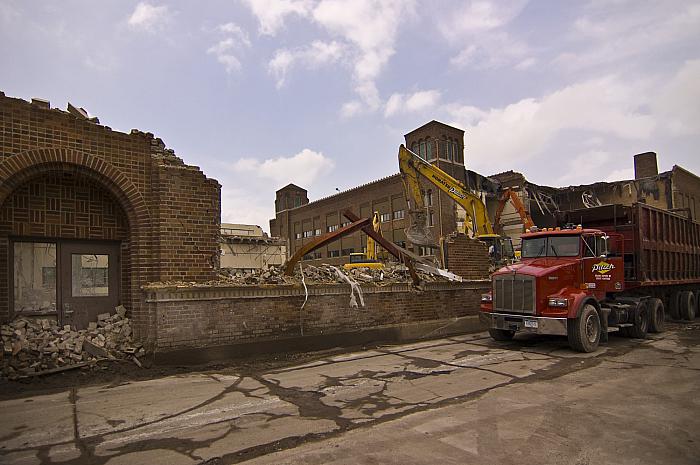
{"x":558,"y":302}
{"x":486,"y":298}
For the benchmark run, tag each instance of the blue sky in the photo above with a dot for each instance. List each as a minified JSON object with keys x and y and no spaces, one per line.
{"x":260,"y":93}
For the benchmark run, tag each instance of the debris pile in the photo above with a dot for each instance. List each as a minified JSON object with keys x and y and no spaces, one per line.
{"x":36,"y":346}
{"x":392,"y":273}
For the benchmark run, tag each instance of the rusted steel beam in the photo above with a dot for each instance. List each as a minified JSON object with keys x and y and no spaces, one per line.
{"x":389,"y":246}
{"x":325,"y":239}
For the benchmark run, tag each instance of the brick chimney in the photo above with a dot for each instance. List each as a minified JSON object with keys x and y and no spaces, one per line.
{"x":645,"y":165}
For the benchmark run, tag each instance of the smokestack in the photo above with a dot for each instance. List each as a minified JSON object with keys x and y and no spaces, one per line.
{"x":645,"y":165}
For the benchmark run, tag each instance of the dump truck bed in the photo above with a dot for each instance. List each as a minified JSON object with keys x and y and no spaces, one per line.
{"x":660,"y":247}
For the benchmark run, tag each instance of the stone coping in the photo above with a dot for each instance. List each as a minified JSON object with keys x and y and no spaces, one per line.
{"x":154,"y":294}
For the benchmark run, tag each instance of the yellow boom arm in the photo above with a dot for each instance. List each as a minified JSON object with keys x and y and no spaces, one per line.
{"x":411,"y":167}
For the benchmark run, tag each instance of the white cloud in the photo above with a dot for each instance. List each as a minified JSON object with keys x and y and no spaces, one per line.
{"x":316,"y":54}
{"x":677,"y":105}
{"x":408,"y":103}
{"x":244,"y":206}
{"x":272,"y":13}
{"x":301,"y":169}
{"x":610,"y":34}
{"x":149,"y":17}
{"x":227,"y":49}
{"x":608,"y":106}
{"x":479,"y":29}
{"x":371,"y":27}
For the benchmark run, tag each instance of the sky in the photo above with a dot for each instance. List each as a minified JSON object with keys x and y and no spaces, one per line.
{"x":319,"y":93}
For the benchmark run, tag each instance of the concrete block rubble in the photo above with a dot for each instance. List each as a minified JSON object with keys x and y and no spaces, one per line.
{"x":392,"y":273}
{"x":36,"y":346}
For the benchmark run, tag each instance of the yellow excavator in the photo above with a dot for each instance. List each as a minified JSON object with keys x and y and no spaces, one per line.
{"x":412,"y":167}
{"x":371,"y":259}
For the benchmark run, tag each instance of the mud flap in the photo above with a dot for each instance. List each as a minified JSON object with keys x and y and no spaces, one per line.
{"x":604,"y":314}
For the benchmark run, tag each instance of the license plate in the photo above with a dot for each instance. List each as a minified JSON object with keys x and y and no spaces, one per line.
{"x":531,"y":323}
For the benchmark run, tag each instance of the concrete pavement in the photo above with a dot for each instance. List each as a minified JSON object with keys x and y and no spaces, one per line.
{"x":463,"y":399}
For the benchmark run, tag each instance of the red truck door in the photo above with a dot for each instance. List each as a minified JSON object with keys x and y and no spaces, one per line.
{"x":601,"y":272}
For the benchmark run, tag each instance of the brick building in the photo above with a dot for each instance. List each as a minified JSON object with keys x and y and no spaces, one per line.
{"x":298,"y":221}
{"x":89,"y":215}
{"x":245,"y":247}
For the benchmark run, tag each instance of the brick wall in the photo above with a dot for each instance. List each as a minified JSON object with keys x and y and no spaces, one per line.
{"x":208,"y":317}
{"x":103,"y":184}
{"x":466,"y":257}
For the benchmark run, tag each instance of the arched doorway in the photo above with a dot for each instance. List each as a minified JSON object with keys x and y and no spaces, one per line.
{"x":68,"y":241}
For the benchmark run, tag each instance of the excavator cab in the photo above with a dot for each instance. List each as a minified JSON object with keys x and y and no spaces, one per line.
{"x":500,"y":248}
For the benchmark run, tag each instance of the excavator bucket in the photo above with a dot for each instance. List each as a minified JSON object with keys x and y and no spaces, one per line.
{"x":418,"y":232}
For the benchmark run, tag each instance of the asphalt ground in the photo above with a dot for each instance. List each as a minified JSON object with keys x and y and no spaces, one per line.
{"x":463,"y":399}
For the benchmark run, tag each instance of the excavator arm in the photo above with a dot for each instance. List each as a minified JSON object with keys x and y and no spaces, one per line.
{"x":509,"y":194}
{"x":412,"y":167}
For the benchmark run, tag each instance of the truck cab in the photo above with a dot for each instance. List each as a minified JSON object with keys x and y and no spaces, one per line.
{"x":561,"y":286}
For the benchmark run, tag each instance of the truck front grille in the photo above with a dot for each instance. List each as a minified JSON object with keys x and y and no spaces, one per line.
{"x":514,"y":293}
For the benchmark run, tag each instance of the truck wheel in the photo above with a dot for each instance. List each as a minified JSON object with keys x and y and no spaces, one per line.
{"x":687,"y":305}
{"x":641,"y":322}
{"x":673,"y":303}
{"x":502,"y":335}
{"x":657,"y":316}
{"x":584,"y":331}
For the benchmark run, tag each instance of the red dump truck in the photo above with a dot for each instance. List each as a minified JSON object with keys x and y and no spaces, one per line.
{"x":608,"y":268}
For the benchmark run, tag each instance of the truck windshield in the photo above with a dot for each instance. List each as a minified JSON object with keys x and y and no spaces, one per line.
{"x":552,"y":246}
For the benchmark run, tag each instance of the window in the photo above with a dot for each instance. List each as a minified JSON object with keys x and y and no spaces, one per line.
{"x":333,"y":253}
{"x":308,"y":256}
{"x":347,"y":251}
{"x":35,"y":277}
{"x":458,"y":157}
{"x":426,"y":251}
{"x":429,"y":148}
{"x":399,"y":214}
{"x":317,"y":232}
{"x":89,"y":275}
{"x":429,"y":198}
{"x":308,"y":233}
{"x":297,"y":235}
{"x":297,"y":201}
{"x":317,"y":254}
{"x":444,"y":149}
{"x":431,"y":219}
{"x":384,"y":217}
{"x":560,"y":246}
{"x":344,"y":223}
{"x":414,"y":148}
{"x":422,"y":153}
{"x":331,"y":228}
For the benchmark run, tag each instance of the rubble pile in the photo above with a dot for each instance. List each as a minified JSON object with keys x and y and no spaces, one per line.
{"x":35,"y":346}
{"x":392,"y":273}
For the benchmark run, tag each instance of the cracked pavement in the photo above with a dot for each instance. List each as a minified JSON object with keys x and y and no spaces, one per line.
{"x":464,"y":399}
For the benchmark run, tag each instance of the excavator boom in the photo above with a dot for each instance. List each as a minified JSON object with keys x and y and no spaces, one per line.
{"x":412,"y":167}
{"x":509,"y":194}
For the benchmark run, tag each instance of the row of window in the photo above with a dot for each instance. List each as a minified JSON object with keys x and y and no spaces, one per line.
{"x":384,"y":217}
{"x":447,"y":150}
{"x":346,"y":252}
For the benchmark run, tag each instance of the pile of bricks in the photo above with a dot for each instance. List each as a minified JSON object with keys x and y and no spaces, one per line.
{"x":34,"y":347}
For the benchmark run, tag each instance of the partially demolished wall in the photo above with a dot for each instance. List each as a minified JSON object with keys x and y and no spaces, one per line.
{"x":211,"y":316}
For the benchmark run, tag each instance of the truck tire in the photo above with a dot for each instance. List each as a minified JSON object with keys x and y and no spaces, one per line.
{"x":687,"y":305}
{"x":657,"y":316}
{"x":673,"y":302}
{"x":641,"y":322}
{"x":501,"y":335}
{"x":584,"y":331}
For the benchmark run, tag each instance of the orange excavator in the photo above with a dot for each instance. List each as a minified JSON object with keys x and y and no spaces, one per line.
{"x":507,"y":195}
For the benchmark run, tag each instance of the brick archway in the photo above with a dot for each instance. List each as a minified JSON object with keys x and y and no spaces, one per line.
{"x":21,"y":168}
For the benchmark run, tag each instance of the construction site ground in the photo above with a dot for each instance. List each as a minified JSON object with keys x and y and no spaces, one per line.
{"x":463,"y":399}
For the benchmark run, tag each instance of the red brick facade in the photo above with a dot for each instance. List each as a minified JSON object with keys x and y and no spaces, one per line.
{"x":66,"y":177}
